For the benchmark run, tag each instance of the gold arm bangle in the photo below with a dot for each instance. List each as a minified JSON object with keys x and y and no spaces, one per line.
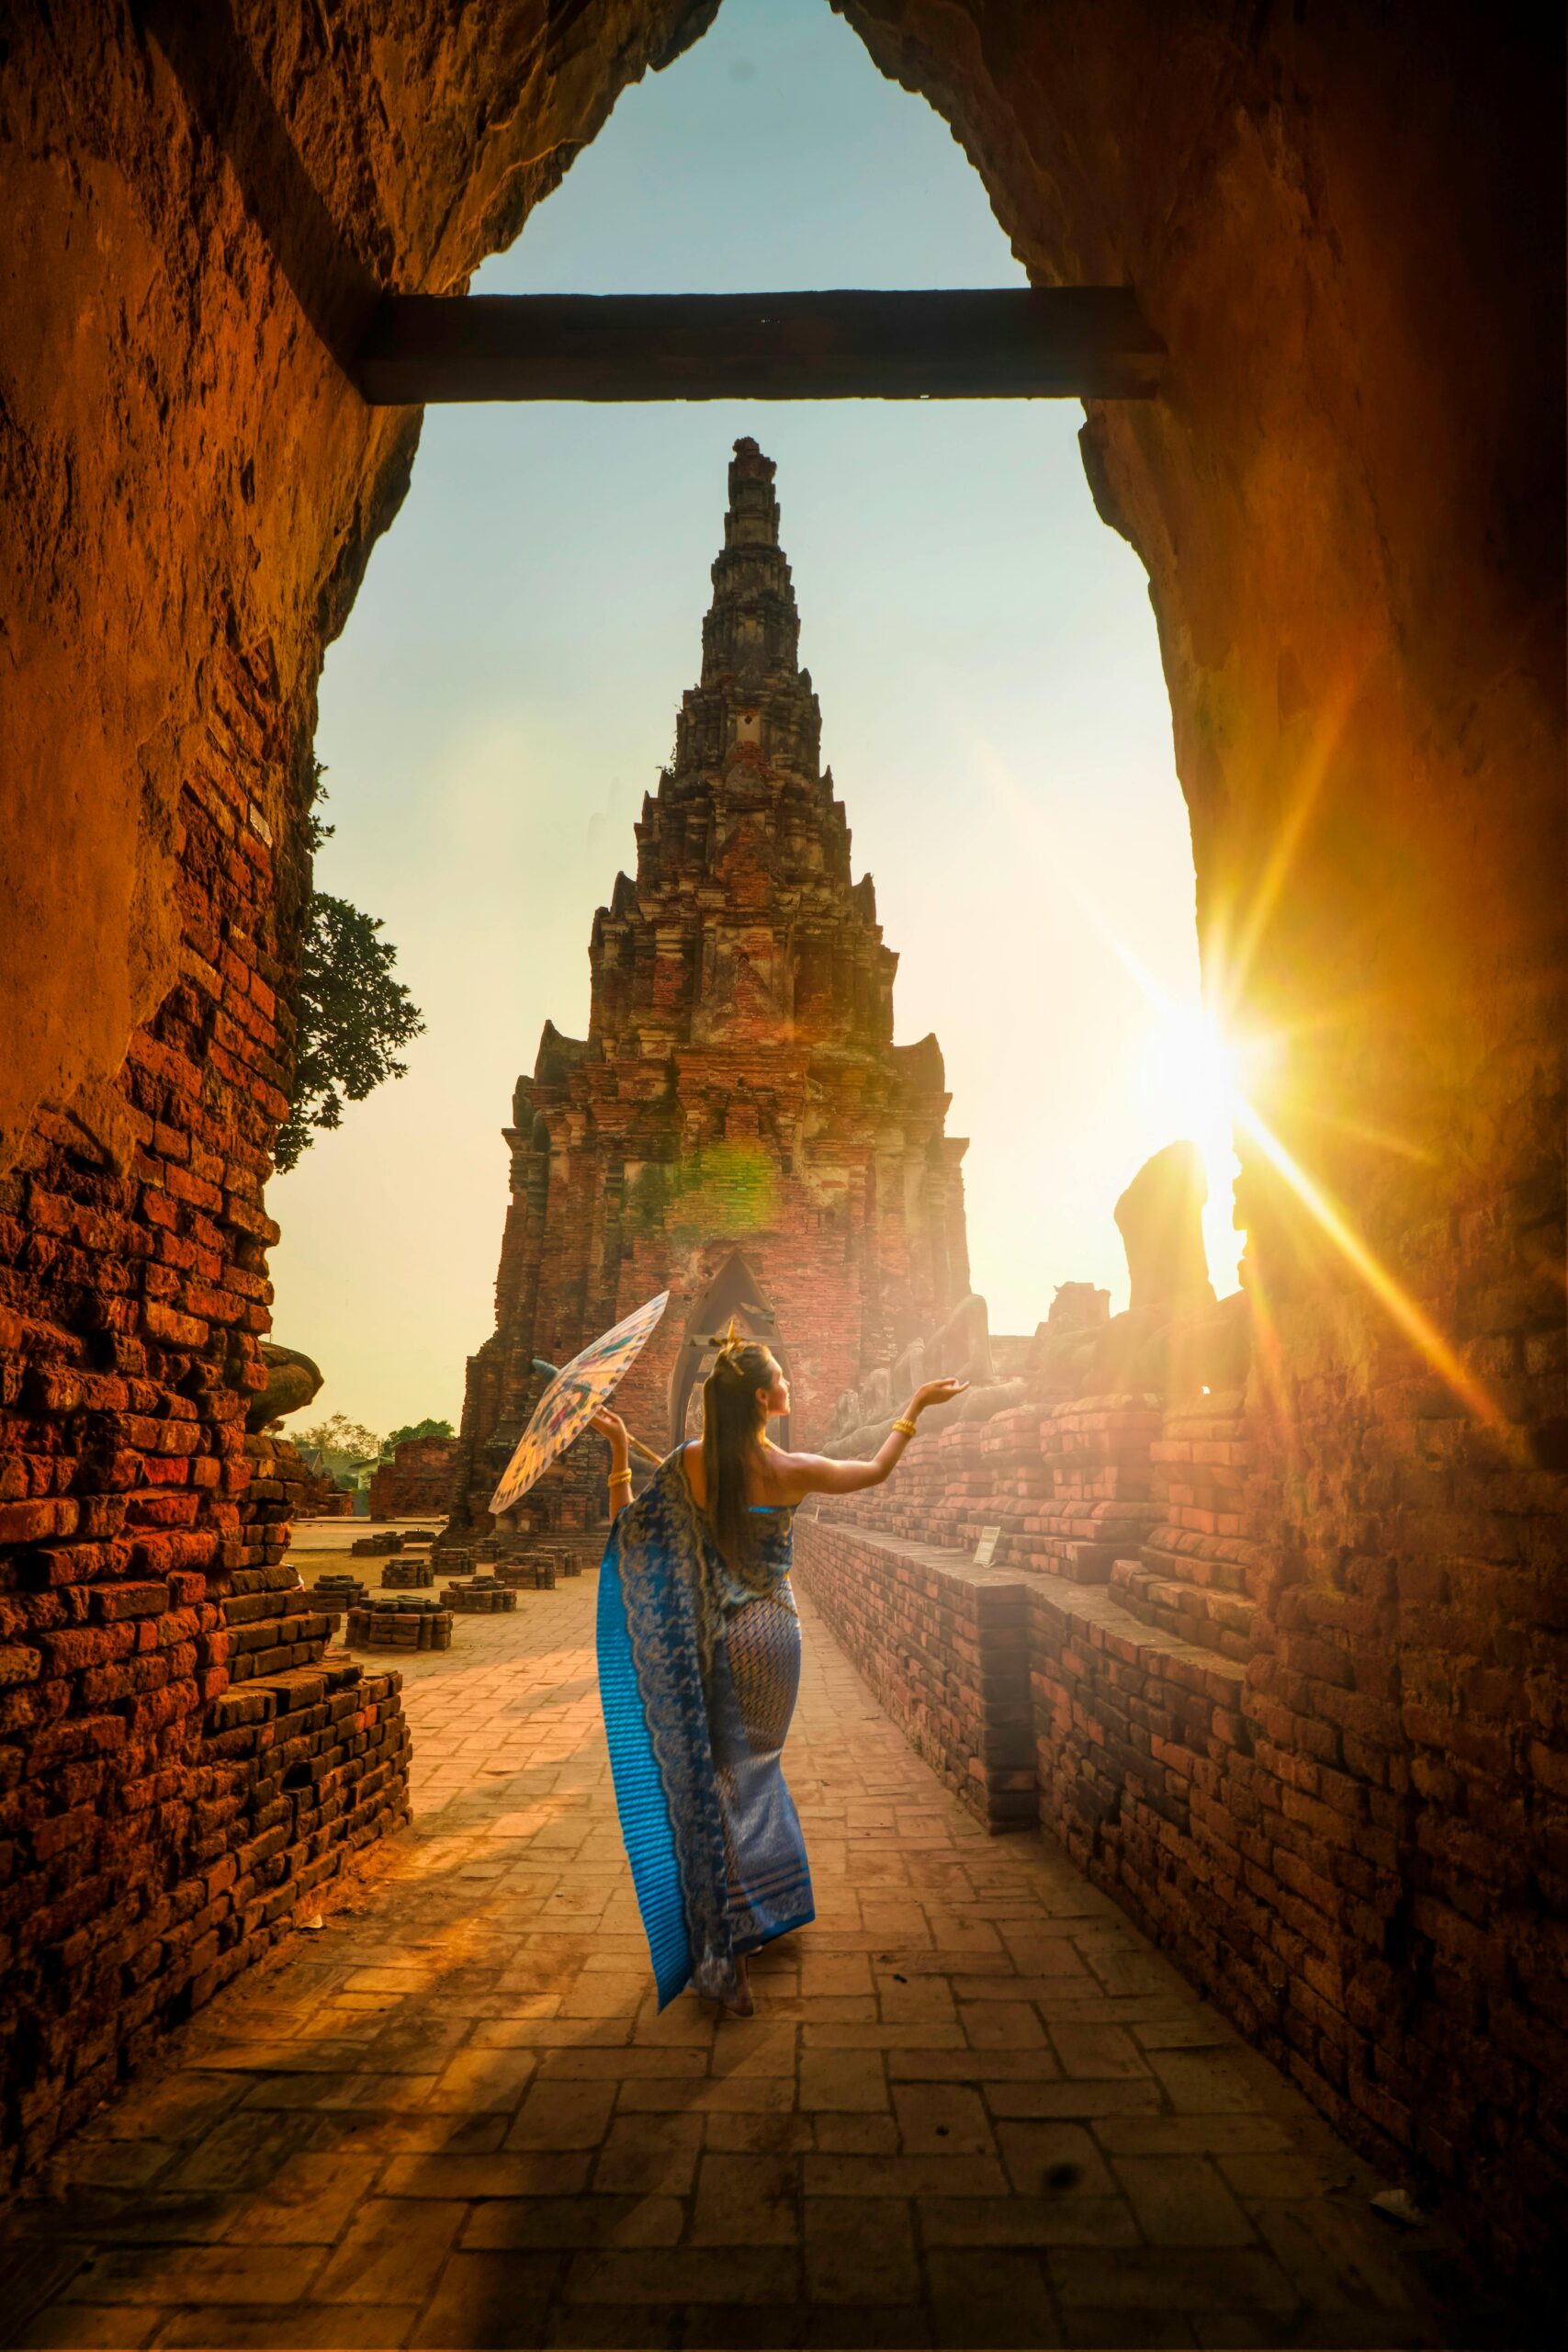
{"x":620,"y":1477}
{"x":905,"y":1428}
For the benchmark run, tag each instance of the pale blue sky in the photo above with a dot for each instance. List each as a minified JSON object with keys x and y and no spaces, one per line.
{"x":506,"y":691}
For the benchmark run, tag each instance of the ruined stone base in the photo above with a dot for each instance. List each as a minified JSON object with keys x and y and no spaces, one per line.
{"x":297,"y":1774}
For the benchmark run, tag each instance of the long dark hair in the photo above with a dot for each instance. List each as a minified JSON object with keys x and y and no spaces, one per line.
{"x":731,"y":1428}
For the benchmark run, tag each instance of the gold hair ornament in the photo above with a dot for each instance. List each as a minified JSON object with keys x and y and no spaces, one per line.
{"x":732,"y":1348}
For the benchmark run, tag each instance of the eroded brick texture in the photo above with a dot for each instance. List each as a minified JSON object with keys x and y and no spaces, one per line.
{"x":1336,"y":1793}
{"x":177,"y":1766}
{"x":738,"y":1090}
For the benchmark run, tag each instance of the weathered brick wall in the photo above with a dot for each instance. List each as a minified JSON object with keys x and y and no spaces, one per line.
{"x":177,"y":1768}
{"x":1337,"y":1796}
{"x":417,"y":1480}
{"x":941,"y":1643}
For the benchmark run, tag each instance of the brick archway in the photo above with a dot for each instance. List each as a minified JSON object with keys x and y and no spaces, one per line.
{"x":1348,"y":503}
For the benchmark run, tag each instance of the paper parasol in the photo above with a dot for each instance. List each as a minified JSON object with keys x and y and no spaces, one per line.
{"x":573,"y":1398}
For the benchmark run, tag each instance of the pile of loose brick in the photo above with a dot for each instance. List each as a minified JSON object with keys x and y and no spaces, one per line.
{"x":337,"y":1591}
{"x":481,"y":1597}
{"x":399,"y":1621}
{"x":314,"y":1761}
{"x":385,"y":1542}
{"x":407,"y":1575}
{"x":523,"y":1564}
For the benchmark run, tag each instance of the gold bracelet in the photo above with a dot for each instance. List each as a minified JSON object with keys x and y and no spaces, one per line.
{"x":620,"y":1477}
{"x":905,"y":1428}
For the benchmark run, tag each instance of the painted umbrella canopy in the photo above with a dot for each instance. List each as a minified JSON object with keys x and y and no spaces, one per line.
{"x":573,"y":1398}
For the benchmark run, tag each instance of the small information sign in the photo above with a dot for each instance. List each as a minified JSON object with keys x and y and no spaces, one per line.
{"x":986,"y":1550}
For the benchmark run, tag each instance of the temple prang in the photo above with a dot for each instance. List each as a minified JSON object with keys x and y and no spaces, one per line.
{"x":738,"y":1126}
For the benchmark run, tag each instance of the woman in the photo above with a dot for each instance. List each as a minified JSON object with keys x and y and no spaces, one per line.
{"x":699,"y":1662}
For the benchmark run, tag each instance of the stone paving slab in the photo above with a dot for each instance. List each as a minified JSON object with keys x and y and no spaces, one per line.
{"x":976,"y":2106}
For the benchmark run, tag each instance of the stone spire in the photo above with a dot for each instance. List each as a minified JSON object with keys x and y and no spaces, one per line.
{"x":737,"y":1127}
{"x":743,"y":920}
{"x":753,"y":686}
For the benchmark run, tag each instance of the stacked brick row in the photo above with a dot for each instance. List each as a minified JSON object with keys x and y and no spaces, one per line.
{"x":483,"y":1597}
{"x":313,"y":1762}
{"x":133,"y":1292}
{"x":954,"y":1483}
{"x":520,"y":1562}
{"x":1097,"y":1452}
{"x":1198,"y":1573}
{"x":398,"y":1623}
{"x":273,"y":1624}
{"x":941,"y":1643}
{"x":527,"y":1576}
{"x":407,"y":1576}
{"x":334,"y":1593}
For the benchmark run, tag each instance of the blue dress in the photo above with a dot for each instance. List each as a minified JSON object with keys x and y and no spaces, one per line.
{"x":698,"y":1673}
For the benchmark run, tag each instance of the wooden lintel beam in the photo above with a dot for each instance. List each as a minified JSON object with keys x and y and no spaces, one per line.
{"x":1079,"y":342}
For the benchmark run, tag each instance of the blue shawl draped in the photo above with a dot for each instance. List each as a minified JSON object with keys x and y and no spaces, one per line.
{"x":710,"y":1830}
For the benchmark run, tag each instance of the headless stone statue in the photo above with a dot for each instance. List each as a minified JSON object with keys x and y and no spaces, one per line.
{"x":1159,"y":1217}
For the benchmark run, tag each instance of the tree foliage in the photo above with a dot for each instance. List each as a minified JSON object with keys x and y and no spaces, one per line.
{"x":339,"y":1436}
{"x":351,"y":1014}
{"x":417,"y":1429}
{"x":352,"y":1017}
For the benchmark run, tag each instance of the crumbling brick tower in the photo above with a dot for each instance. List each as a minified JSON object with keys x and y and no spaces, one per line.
{"x":738,"y":1126}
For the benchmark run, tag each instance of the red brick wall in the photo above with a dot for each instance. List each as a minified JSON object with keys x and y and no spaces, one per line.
{"x":1338,"y":1798}
{"x":941,"y":1643}
{"x":156,"y":1830}
{"x":417,"y":1481}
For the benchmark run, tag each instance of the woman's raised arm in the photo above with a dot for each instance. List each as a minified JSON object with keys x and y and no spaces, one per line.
{"x":818,"y":1474}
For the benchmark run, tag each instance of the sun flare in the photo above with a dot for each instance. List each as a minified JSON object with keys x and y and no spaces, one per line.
{"x":1200,"y":1068}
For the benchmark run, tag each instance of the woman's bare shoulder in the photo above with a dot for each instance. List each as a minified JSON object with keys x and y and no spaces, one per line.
{"x":792,"y":1474}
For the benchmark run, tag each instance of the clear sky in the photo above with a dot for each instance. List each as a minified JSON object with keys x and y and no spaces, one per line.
{"x":992,"y":708}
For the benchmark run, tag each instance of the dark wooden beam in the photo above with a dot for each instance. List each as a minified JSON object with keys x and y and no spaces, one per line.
{"x":1080,"y":342}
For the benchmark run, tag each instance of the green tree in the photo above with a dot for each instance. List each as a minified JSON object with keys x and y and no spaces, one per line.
{"x":338,"y":1440}
{"x":351,"y":1014}
{"x":417,"y":1429}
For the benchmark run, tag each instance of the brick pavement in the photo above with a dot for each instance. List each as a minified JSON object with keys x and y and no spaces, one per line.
{"x":976,"y":2106}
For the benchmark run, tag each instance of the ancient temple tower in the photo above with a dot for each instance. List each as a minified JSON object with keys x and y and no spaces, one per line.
{"x":738,"y":1126}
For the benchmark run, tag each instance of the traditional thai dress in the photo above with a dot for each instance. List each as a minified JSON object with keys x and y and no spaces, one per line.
{"x":698,"y":1671}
